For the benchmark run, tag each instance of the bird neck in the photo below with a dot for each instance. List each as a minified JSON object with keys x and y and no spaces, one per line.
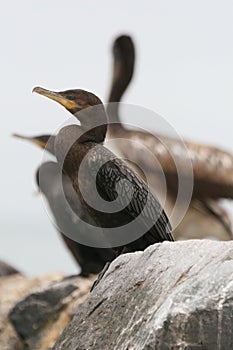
{"x":120,"y":81}
{"x":116,"y":93}
{"x":122,"y":75}
{"x":96,"y":134}
{"x":93,"y":126}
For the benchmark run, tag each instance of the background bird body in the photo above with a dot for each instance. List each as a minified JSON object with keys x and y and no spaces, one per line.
{"x":67,"y":211}
{"x":212,"y":168}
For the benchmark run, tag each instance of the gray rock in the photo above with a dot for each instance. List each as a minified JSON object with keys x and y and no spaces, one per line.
{"x":171,"y":296}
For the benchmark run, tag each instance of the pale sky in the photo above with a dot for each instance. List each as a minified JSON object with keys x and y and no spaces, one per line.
{"x":184,"y":72}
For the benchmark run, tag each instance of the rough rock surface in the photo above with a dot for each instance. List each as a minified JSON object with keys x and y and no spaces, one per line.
{"x":172,"y":296}
{"x":38,"y":308}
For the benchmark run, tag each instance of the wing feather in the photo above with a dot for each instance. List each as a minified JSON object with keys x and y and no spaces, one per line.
{"x":115,"y":180}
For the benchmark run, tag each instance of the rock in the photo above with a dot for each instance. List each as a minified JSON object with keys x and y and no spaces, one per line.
{"x":42,"y":315}
{"x":6,"y":269}
{"x":12,"y":289}
{"x":39,"y":309}
{"x":171,"y":296}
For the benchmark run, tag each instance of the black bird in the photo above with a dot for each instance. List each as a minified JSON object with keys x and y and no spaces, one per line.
{"x":212,"y":167}
{"x":97,"y":174}
{"x":67,"y":211}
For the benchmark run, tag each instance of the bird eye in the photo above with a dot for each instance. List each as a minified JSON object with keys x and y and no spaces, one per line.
{"x":71,"y":97}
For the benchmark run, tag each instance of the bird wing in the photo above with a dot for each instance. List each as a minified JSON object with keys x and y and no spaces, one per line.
{"x":116,"y":181}
{"x":212,"y":167}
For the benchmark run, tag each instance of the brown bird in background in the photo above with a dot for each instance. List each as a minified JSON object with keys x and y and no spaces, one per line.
{"x":67,"y":211}
{"x":136,"y":217}
{"x":212,"y":167}
{"x":45,"y":142}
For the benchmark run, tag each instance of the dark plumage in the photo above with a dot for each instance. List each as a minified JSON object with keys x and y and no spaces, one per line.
{"x":124,"y":59}
{"x":91,"y":165}
{"x":66,"y":210}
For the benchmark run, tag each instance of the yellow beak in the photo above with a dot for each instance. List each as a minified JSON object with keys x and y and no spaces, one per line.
{"x":38,"y":142}
{"x":56,"y":96}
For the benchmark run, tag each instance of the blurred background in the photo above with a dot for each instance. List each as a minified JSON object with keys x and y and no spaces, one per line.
{"x":184,"y":72}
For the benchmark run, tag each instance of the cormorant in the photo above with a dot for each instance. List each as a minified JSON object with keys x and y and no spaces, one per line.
{"x":212,"y":167}
{"x":64,"y":204}
{"x":101,"y":180}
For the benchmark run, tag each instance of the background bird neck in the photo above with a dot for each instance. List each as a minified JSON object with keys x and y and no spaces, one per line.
{"x":121,"y":79}
{"x":113,"y":107}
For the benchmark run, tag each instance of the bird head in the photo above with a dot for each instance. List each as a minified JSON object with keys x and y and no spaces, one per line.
{"x":86,"y":107}
{"x":43,"y":141}
{"x":124,"y":51}
{"x":73,"y":100}
{"x":123,"y":68}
